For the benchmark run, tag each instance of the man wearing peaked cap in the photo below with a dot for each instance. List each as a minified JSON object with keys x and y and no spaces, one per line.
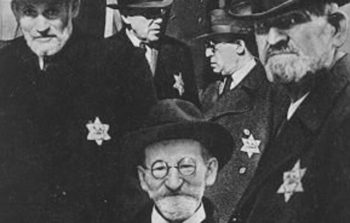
{"x":303,"y":175}
{"x":178,"y":156}
{"x":167,"y":61}
{"x":241,"y":103}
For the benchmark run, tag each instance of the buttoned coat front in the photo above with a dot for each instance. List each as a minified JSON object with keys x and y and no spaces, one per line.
{"x":246,"y":112}
{"x":174,"y":65}
{"x":303,"y":176}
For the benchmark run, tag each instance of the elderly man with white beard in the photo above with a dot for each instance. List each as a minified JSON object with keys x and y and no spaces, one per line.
{"x":179,"y":155}
{"x":303,"y":175}
{"x":62,"y":112}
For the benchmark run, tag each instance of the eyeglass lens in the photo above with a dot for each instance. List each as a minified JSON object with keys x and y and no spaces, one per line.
{"x":186,"y":166}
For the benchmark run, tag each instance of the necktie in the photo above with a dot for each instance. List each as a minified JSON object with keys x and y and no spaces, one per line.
{"x":227,"y":84}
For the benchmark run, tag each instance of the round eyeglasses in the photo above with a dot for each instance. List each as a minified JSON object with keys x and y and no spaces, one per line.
{"x":186,"y":167}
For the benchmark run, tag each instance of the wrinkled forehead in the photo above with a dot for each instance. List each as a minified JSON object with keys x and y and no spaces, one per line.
{"x":19,"y":3}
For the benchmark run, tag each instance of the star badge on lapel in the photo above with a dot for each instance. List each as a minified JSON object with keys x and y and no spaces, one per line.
{"x":250,"y":145}
{"x":179,"y":83}
{"x":98,"y":131}
{"x":292,"y":181}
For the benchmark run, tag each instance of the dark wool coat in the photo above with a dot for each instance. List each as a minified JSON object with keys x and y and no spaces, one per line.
{"x":303,"y":176}
{"x":145,"y":215}
{"x":50,"y":171}
{"x":246,"y":112}
{"x":174,"y":58}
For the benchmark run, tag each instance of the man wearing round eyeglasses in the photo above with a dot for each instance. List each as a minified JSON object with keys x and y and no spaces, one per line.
{"x":179,"y":155}
{"x":303,"y":176}
{"x":168,"y":62}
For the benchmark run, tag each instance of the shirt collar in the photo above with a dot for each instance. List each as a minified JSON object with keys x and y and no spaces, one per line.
{"x":134,"y":40}
{"x":240,"y":74}
{"x":197,"y":217}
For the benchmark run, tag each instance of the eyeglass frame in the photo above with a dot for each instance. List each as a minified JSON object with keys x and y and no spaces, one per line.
{"x":148,"y":13}
{"x":168,"y":167}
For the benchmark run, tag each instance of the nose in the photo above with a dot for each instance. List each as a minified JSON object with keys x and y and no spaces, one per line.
{"x":158,"y":21}
{"x":42,"y":25}
{"x":173,"y":181}
{"x":209,"y":52}
{"x":276,"y":36}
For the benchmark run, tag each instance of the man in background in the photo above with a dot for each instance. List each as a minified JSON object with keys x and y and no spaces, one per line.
{"x":167,"y":60}
{"x":240,"y":102}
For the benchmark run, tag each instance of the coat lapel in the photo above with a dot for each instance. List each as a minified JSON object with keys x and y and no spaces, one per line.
{"x":240,"y":99}
{"x":299,"y":133}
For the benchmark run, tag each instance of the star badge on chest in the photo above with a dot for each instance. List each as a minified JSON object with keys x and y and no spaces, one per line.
{"x":250,"y":144}
{"x":98,"y":131}
{"x":292,"y":182}
{"x":179,"y":84}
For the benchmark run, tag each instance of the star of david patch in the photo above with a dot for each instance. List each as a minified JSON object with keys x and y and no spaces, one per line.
{"x":251,"y":146}
{"x":98,"y":131}
{"x":292,"y":182}
{"x":179,"y":84}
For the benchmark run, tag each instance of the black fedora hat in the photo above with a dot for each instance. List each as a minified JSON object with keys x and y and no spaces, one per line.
{"x":173,"y":119}
{"x":141,"y":4}
{"x":226,"y":27}
{"x":266,"y":8}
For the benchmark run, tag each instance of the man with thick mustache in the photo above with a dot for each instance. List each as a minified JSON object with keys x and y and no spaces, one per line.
{"x":178,"y":157}
{"x":62,"y":112}
{"x":167,"y":61}
{"x":303,"y":175}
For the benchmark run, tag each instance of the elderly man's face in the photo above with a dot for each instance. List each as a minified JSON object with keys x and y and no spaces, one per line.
{"x":175,"y":176}
{"x":223,"y":57}
{"x":147,"y":24}
{"x":295,"y":44}
{"x":46,"y":25}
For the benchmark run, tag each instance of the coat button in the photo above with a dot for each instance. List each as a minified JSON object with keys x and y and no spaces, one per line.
{"x":242,"y":170}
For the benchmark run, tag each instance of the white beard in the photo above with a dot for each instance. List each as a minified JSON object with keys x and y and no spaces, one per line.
{"x":178,"y":208}
{"x":53,"y":46}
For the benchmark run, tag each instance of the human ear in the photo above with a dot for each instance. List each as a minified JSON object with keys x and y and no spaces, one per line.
{"x":240,"y":47}
{"x":141,"y":174}
{"x":212,"y":171}
{"x":75,"y":8}
{"x":339,"y":21}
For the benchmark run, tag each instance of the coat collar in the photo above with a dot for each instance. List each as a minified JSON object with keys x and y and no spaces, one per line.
{"x":240,"y":99}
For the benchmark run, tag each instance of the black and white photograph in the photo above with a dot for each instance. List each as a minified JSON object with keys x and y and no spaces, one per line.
{"x":174,"y":111}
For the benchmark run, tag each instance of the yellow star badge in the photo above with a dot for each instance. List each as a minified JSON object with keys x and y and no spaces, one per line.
{"x":97,"y":131}
{"x":292,"y":182}
{"x":250,"y":146}
{"x":179,"y":84}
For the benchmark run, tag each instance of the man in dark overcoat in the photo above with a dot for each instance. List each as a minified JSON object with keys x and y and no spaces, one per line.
{"x":62,"y":113}
{"x":240,"y":102}
{"x":303,"y":175}
{"x":178,"y":155}
{"x":168,"y":61}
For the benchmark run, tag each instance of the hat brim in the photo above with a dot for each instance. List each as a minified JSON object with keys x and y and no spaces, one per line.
{"x":220,"y":37}
{"x":275,"y":10}
{"x":215,"y":138}
{"x":152,"y":4}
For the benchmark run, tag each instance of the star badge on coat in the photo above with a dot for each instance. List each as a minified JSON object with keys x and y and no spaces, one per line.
{"x":179,"y":84}
{"x":98,"y":131}
{"x":292,"y":182}
{"x":251,"y":145}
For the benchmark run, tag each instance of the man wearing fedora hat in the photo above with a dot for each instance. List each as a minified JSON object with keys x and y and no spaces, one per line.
{"x":167,"y":60}
{"x":177,"y":156}
{"x":240,"y":103}
{"x":303,"y":175}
